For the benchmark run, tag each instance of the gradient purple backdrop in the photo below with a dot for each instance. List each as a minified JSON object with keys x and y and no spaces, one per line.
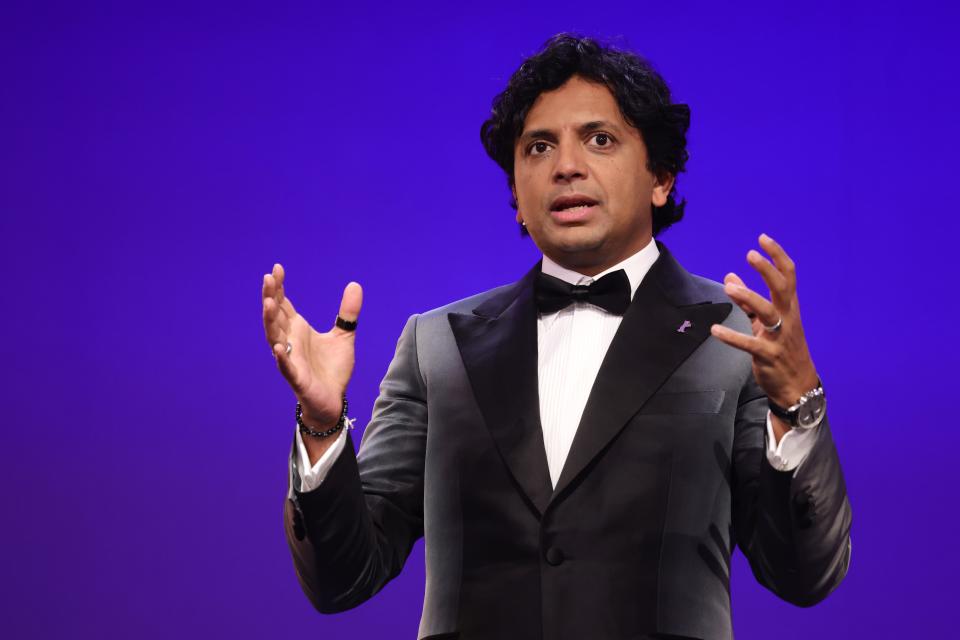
{"x":157,"y":161}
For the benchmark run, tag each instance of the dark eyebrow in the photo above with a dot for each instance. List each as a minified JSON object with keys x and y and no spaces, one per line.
{"x":538,"y":134}
{"x":550,"y":136}
{"x":587,"y":127}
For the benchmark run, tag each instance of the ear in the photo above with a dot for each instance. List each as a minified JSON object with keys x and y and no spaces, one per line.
{"x":513,"y":190}
{"x":661,"y":189}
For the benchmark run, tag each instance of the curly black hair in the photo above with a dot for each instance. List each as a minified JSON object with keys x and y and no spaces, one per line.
{"x":640,"y":92}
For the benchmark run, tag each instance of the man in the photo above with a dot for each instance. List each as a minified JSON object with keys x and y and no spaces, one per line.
{"x":581,"y":449}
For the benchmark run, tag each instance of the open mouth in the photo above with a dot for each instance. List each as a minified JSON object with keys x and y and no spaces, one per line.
{"x":572,"y":203}
{"x":572,"y":208}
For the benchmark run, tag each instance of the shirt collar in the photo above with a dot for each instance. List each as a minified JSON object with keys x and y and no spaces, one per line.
{"x":636,"y":267}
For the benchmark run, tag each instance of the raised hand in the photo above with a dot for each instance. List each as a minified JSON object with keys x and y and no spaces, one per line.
{"x":317,"y":365}
{"x":781,"y":360}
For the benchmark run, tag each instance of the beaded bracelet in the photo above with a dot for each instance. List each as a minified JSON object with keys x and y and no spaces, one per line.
{"x":344,"y":421}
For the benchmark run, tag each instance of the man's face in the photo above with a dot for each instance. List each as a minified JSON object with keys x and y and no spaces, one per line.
{"x":576,"y":149}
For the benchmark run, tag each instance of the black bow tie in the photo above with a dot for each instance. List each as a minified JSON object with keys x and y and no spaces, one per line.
{"x":611,"y":292}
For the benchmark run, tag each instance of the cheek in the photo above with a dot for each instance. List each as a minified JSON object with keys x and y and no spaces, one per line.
{"x":629,"y":175}
{"x":524,"y":192}
{"x":641,"y":190}
{"x":618,"y":180}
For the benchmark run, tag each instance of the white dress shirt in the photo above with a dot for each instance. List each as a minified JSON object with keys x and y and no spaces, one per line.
{"x":571,"y":345}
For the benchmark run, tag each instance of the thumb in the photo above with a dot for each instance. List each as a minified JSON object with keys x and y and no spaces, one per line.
{"x":350,"y":305}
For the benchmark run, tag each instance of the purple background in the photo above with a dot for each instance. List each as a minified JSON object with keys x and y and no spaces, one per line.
{"x":156,"y":162}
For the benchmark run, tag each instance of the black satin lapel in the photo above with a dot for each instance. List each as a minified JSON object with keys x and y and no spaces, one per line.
{"x":500,"y":356}
{"x":646,"y":349}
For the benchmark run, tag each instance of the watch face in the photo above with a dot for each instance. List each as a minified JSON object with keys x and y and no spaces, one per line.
{"x":810,"y":411}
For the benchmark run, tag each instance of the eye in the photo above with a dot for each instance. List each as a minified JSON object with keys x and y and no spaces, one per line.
{"x":537,"y":148}
{"x":602,"y":139}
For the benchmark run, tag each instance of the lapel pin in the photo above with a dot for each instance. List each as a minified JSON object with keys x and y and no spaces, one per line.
{"x":686,"y":325}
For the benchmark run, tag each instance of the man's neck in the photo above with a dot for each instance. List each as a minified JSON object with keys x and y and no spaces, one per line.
{"x":582,"y":264}
{"x":635,"y":265}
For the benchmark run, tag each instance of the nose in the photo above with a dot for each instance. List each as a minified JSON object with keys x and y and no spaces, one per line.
{"x":570,"y":163}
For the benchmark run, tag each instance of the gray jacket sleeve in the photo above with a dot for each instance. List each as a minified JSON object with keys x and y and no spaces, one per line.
{"x":794,"y":526}
{"x":353,"y":533}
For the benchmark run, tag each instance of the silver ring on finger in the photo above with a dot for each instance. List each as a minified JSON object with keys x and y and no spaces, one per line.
{"x":289,"y":348}
{"x":774,"y":328}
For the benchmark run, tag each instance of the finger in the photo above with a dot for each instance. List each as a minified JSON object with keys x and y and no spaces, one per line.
{"x":280,"y":276}
{"x":781,"y":260}
{"x":735,"y":279}
{"x":270,"y":288}
{"x":750,"y":344}
{"x":752,"y":302}
{"x":779,"y":292}
{"x":269,"y":284}
{"x":285,"y":364}
{"x":274,"y":323}
{"x":755,"y":324}
{"x":732,"y":278}
{"x":274,"y":313}
{"x":350,"y":305}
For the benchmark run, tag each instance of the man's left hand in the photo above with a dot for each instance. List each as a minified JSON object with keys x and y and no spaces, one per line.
{"x":781,"y":361}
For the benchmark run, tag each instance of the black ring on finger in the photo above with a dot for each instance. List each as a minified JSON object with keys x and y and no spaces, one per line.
{"x":346,"y":325}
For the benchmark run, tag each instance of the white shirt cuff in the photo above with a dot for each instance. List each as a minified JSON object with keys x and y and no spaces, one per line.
{"x":793,"y":447}
{"x":312,"y":476}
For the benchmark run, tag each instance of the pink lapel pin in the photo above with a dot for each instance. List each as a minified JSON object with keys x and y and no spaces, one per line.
{"x":686,"y":325}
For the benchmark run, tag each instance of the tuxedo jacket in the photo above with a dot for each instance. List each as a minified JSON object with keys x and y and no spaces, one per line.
{"x":667,"y":473}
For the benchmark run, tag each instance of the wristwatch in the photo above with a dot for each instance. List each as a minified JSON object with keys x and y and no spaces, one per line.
{"x":806,"y":413}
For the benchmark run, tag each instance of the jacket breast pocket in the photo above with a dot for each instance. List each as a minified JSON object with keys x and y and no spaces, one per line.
{"x":684,"y":402}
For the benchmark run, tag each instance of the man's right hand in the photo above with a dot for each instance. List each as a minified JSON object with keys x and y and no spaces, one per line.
{"x":319,"y":365}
